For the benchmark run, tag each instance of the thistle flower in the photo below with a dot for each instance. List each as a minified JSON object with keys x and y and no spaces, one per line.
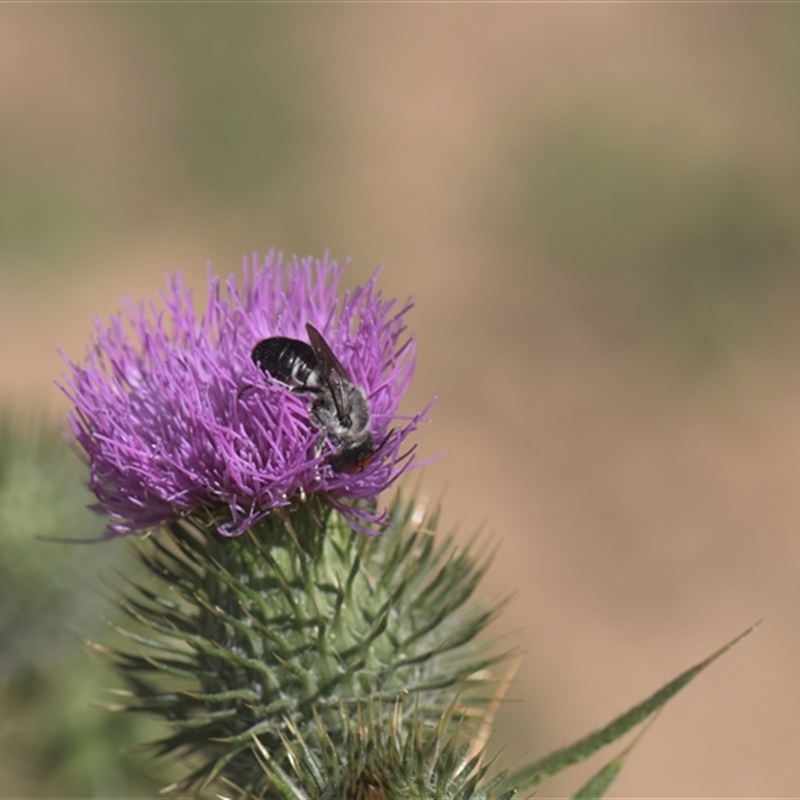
{"x":263,"y":653}
{"x":176,"y":420}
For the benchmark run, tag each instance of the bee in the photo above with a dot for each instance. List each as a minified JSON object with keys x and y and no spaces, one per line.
{"x":338,"y":407}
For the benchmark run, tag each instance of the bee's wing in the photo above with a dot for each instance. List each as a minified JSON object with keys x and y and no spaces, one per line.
{"x":327,"y":362}
{"x":333,"y":374}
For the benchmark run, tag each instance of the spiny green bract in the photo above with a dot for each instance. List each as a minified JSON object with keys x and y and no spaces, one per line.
{"x":381,"y":759}
{"x":279,"y":629}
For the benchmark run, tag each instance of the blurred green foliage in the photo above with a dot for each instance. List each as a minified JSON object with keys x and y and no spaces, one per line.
{"x":42,"y":494}
{"x":55,"y":743}
{"x":52,"y":743}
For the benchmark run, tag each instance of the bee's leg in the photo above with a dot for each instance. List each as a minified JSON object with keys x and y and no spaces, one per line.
{"x":316,"y":415}
{"x":323,"y":415}
{"x":316,"y":412}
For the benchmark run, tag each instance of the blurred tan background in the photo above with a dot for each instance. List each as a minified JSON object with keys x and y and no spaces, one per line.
{"x":596,"y":209}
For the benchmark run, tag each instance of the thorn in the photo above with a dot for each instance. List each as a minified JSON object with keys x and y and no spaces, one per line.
{"x":420,"y":509}
{"x":287,"y":523}
{"x":263,"y":750}
{"x":481,"y":738}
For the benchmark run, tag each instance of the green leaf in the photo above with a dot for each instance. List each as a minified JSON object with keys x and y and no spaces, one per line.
{"x":598,"y":784}
{"x":580,"y":750}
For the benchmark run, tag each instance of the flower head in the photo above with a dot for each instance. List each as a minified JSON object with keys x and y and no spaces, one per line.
{"x":176,"y":419}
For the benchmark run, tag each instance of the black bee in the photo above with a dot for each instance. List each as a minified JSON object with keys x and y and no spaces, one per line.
{"x":338,"y":406}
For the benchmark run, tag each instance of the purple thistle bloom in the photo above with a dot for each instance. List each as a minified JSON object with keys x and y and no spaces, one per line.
{"x":176,"y":419}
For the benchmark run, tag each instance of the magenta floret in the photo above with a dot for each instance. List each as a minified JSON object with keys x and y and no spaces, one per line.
{"x":176,"y":419}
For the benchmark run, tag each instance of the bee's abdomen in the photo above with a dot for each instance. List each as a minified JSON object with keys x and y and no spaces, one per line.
{"x":289,"y":361}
